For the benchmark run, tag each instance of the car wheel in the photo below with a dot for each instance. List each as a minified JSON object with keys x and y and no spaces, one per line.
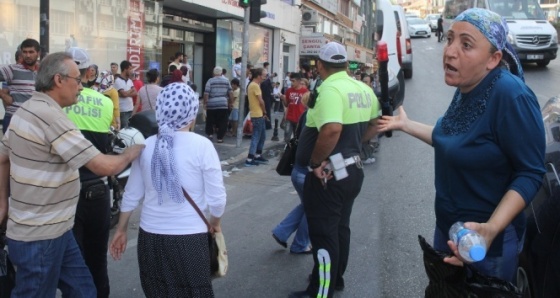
{"x":408,"y":73}
{"x":523,"y":283}
{"x":429,"y":36}
{"x":543,"y":63}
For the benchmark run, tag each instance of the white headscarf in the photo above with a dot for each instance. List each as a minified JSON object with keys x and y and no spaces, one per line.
{"x":176,"y":107}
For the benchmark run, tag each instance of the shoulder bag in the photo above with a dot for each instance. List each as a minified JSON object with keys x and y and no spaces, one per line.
{"x":216,"y":243}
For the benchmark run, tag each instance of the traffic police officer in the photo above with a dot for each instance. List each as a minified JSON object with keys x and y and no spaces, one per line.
{"x":341,"y":116}
{"x":93,"y":114}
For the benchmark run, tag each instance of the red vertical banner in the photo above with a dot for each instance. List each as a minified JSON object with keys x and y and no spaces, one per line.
{"x":135,"y":29}
{"x":266,"y":45}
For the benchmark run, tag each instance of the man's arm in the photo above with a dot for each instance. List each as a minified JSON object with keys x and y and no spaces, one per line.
{"x":230,"y":101}
{"x":108,"y":165}
{"x":326,"y":141}
{"x":261,"y":104}
{"x":4,"y":189}
{"x":205,"y":100}
{"x":371,"y":130}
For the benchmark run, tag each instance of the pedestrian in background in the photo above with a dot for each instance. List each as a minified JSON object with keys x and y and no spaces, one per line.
{"x":173,"y":251}
{"x":149,"y":92}
{"x":20,"y":79}
{"x":234,"y":113}
{"x":334,"y":130}
{"x":293,"y":105}
{"x":125,"y":87}
{"x":489,"y":145}
{"x":218,"y":97}
{"x":258,"y":117}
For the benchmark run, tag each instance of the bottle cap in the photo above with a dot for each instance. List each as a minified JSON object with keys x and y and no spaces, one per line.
{"x":477,"y":253}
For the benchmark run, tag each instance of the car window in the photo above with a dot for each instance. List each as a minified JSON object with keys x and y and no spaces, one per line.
{"x":416,"y":22}
{"x":379,"y":24}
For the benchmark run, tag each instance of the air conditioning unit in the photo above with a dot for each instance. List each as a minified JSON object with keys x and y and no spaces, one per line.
{"x":309,"y":16}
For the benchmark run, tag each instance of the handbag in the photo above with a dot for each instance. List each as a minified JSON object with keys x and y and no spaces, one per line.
{"x":286,"y":163}
{"x":446,"y":280}
{"x":216,"y":244}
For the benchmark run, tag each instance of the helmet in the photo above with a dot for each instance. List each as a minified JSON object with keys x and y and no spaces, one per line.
{"x":80,"y":56}
{"x":127,"y":137}
{"x":105,"y":80}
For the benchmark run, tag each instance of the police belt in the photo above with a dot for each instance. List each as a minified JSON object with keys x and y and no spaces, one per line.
{"x":94,"y":189}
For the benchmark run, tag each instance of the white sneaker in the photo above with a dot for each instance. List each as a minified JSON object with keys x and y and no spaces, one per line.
{"x":369,"y":161}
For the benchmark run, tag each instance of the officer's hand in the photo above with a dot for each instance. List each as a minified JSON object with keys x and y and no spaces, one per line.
{"x":133,"y":151}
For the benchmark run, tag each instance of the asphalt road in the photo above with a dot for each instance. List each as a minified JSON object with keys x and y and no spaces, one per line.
{"x":394,"y":207}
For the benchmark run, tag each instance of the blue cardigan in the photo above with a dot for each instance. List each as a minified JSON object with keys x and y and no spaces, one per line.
{"x":489,"y":141}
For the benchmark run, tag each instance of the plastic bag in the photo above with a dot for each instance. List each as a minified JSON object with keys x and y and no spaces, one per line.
{"x":446,"y":280}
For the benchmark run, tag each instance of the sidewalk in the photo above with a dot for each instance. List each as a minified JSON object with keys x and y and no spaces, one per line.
{"x":231,"y":155}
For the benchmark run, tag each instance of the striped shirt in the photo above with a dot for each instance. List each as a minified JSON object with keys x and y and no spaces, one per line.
{"x":218,"y":89}
{"x":45,"y":150}
{"x":21,"y":84}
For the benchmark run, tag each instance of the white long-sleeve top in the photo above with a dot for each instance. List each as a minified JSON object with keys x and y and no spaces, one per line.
{"x":200,"y":174}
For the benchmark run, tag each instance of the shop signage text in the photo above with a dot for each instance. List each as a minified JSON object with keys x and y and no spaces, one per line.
{"x":135,"y":44}
{"x":310,"y":45}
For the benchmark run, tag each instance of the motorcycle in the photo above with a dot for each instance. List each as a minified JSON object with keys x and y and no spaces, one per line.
{"x":141,"y":126}
{"x":539,"y":262}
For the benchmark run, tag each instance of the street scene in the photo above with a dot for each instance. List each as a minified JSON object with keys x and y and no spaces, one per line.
{"x":396,"y":205}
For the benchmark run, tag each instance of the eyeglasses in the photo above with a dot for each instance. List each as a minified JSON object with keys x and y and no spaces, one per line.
{"x":78,"y":80}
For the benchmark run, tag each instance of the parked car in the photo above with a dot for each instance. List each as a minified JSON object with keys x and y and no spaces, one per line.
{"x":432,"y":21}
{"x":386,"y":30}
{"x":403,"y":42}
{"x":418,"y":28}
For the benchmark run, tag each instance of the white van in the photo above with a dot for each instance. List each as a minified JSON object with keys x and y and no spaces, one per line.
{"x":386,"y":30}
{"x":531,"y":35}
{"x":403,"y":42}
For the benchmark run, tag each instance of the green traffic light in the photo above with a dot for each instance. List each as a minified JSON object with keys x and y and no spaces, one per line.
{"x":244,"y":3}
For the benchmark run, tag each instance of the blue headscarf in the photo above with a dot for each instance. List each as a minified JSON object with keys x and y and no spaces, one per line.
{"x":176,"y":107}
{"x":495,"y":29}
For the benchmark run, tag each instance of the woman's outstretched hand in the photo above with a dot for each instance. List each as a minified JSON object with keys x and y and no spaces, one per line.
{"x":388,"y":123}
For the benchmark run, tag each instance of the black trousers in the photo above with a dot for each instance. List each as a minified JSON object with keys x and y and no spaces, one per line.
{"x":91,"y":230}
{"x":218,"y":118}
{"x":328,"y":216}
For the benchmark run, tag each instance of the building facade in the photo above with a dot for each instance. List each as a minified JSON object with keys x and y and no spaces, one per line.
{"x":148,"y":33}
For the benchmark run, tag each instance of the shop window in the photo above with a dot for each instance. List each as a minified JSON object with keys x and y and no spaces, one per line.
{"x":286,"y":49}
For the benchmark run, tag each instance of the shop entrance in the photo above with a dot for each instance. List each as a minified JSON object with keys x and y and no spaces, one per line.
{"x":187,"y":42}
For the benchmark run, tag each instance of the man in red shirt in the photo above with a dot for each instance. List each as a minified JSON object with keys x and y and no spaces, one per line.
{"x":293,"y":105}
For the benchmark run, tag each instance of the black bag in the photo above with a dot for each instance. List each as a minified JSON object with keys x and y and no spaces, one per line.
{"x":286,"y":163}
{"x":7,"y":272}
{"x":213,"y":248}
{"x":449,"y":281}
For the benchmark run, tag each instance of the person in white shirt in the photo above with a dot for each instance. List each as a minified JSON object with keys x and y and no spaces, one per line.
{"x":276,"y":92}
{"x":172,"y":240}
{"x":125,"y":87}
{"x":236,"y":71}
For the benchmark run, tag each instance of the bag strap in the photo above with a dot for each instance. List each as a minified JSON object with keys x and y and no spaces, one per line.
{"x":150,"y":101}
{"x":197,"y":210}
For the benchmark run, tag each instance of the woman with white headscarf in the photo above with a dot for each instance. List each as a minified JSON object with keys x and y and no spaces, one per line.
{"x":173,"y":252}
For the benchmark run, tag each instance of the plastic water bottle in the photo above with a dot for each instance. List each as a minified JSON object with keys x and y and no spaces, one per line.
{"x":472,"y":246}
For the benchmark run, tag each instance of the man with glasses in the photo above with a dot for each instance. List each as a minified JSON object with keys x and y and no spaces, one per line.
{"x":20,"y":79}
{"x":293,"y":105}
{"x":40,"y":155}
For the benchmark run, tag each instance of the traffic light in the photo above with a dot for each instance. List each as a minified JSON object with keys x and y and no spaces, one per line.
{"x":244,"y":3}
{"x":256,"y":14}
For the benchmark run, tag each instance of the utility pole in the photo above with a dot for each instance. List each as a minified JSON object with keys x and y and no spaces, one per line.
{"x":243,"y":92}
{"x":44,"y":27}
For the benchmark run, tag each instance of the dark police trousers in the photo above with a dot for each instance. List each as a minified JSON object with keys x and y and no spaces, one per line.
{"x":91,"y":230}
{"x":328,"y":216}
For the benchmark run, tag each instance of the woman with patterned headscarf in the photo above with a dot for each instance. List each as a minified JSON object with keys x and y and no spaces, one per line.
{"x":489,"y":145}
{"x":173,"y":252}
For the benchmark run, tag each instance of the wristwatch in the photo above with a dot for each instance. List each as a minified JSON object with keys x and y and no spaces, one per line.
{"x":313,"y":165}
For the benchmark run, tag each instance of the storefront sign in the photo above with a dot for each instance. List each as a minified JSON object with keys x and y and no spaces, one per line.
{"x":266,"y":45}
{"x":310,"y":45}
{"x":135,"y":29}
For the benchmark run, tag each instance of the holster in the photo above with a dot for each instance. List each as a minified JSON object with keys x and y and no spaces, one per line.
{"x":94,"y":189}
